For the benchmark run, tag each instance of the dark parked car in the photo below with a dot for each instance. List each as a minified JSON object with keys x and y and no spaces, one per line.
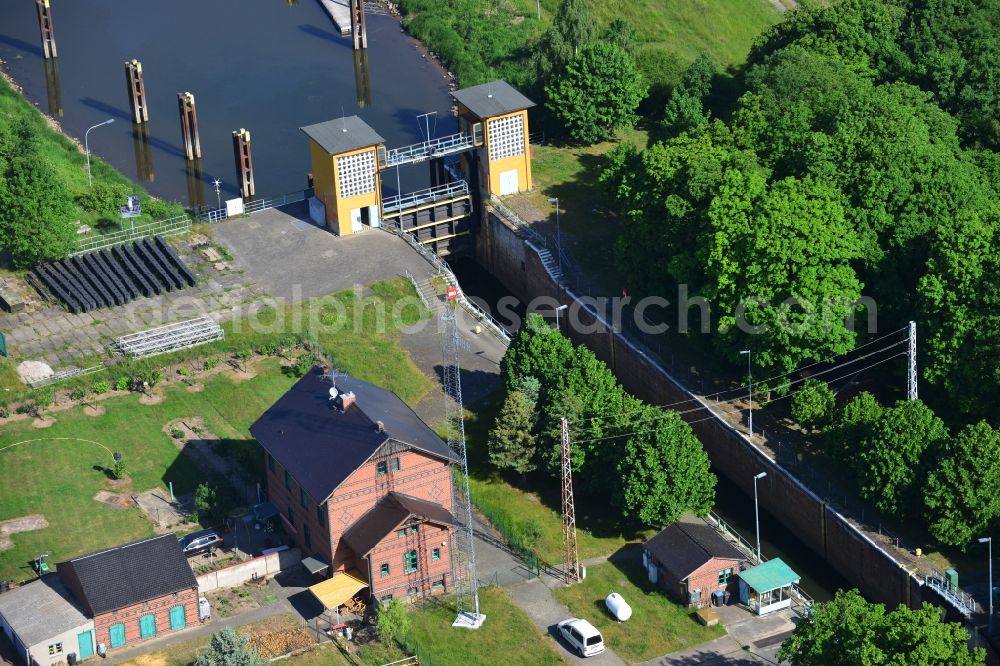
{"x":200,"y":542}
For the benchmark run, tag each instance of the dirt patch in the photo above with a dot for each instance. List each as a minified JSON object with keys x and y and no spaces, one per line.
{"x":195,"y":388}
{"x":43,"y":422}
{"x":153,"y":398}
{"x":35,"y":521}
{"x":242,"y":375}
{"x":114,"y":500}
{"x":155,"y":659}
{"x":94,"y":410}
{"x":186,"y":429}
{"x":273,"y":642}
{"x":164,"y":513}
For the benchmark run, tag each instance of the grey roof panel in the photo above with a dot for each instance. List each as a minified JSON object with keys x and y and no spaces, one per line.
{"x":40,"y":610}
{"x":321,"y":446}
{"x":492,"y":99}
{"x":132,"y":573}
{"x":343,"y":134}
{"x":683,"y":547}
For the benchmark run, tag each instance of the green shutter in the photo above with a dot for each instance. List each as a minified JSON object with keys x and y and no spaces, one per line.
{"x":85,"y":639}
{"x":178,"y":617}
{"x":117,"y":635}
{"x":147,"y":626}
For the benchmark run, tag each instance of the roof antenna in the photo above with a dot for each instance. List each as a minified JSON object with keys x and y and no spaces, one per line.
{"x":343,"y":118}
{"x":489,"y":89}
{"x":331,"y":375}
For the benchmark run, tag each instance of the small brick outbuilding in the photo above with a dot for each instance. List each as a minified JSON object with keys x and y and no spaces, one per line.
{"x":691,"y":561}
{"x":136,"y":591}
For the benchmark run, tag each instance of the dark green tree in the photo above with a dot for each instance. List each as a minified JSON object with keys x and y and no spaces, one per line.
{"x":598,"y":93}
{"x":664,"y":471}
{"x":962,"y":493}
{"x":621,"y":33}
{"x":686,"y":108}
{"x":392,"y":622}
{"x":852,"y":426}
{"x":230,"y":648}
{"x":511,"y":442}
{"x":813,"y":403}
{"x":537,"y":350}
{"x":849,"y":631}
{"x":891,"y":460}
{"x":37,"y":219}
{"x":572,"y":30}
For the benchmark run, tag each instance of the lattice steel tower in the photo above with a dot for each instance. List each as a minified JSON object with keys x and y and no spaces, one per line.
{"x":911,"y":369}
{"x":571,"y":555}
{"x":464,"y":553}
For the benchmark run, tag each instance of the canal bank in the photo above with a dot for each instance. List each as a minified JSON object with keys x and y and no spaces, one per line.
{"x":257,"y":64}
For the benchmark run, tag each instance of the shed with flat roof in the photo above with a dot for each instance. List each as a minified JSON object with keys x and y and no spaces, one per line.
{"x":45,"y":624}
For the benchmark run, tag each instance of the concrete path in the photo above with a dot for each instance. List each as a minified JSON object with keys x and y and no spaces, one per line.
{"x":535,"y":599}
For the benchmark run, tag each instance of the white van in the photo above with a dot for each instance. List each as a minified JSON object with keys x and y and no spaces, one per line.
{"x":583,"y":636}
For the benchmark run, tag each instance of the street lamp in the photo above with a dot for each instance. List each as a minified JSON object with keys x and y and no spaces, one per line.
{"x":86,"y":147}
{"x":555,"y":200}
{"x":750,"y":385}
{"x":989,"y":540}
{"x":756,"y":510}
{"x":558,"y":310}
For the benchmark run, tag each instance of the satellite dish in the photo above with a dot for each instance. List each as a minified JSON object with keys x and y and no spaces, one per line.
{"x":334,"y":392}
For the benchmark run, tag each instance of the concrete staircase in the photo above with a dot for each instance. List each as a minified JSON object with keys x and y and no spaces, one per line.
{"x":428,"y":293}
{"x":551,"y":264}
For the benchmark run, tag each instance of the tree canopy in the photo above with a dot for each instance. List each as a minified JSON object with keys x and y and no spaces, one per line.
{"x":230,"y":648}
{"x":849,"y":631}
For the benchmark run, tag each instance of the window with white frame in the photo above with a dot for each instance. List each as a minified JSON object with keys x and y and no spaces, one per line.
{"x":356,"y":174}
{"x":55,"y":648}
{"x":506,"y":137}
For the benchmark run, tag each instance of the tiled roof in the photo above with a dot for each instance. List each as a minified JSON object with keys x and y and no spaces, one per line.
{"x":386,"y":516}
{"x":130,"y":574}
{"x":321,"y":446}
{"x":683,"y":547}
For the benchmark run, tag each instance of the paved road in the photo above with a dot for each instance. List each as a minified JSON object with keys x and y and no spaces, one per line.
{"x":535,"y":599}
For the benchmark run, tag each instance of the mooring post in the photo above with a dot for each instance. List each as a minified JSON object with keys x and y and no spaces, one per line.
{"x":362,"y":81}
{"x":45,"y":25}
{"x":244,"y":162}
{"x":143,"y":153}
{"x":52,"y":86}
{"x":434,"y":172}
{"x":189,"y":125}
{"x":358,"y":24}
{"x":195,"y":186}
{"x":136,"y":91}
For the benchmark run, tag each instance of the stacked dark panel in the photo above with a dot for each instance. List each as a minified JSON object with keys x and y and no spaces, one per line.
{"x":116,"y":276}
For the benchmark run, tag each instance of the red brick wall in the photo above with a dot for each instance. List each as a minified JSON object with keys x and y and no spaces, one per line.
{"x":706,"y":578}
{"x":159,"y":607}
{"x":419,"y":475}
{"x":391,"y":551}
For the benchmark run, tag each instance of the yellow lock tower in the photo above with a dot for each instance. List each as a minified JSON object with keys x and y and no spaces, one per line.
{"x":504,"y":161}
{"x":344,"y":156}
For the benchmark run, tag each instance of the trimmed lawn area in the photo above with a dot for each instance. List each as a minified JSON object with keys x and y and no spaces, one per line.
{"x":725,"y":29}
{"x":534,"y":513}
{"x":508,"y":636}
{"x":658,"y":626}
{"x":58,"y":475}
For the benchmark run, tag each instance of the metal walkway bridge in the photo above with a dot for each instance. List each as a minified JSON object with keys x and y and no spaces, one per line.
{"x":401,"y":203}
{"x":426,"y":150}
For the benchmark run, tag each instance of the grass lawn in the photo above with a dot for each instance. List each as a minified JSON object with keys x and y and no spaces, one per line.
{"x":535,"y":512}
{"x":59,"y":477}
{"x":507,"y":637}
{"x":724,"y":29}
{"x":69,"y":163}
{"x":658,"y":625}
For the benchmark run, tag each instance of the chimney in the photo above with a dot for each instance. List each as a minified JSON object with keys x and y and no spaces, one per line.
{"x":380,"y":426}
{"x":346,"y":399}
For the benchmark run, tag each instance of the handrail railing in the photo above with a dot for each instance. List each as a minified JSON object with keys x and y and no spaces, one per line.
{"x":418,"y":152}
{"x":416,"y":287}
{"x":219,"y":214}
{"x":170,"y":227}
{"x":399,"y":202}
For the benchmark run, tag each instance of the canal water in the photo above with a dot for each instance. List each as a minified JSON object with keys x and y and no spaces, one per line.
{"x":263,"y":65}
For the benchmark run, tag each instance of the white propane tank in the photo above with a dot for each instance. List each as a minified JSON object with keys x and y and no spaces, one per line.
{"x":616,"y":604}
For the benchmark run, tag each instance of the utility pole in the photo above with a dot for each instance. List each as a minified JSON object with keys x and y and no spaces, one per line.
{"x":750,"y":385}
{"x":756,"y":510}
{"x":571,"y":556}
{"x":989,"y":542}
{"x":911,"y":370}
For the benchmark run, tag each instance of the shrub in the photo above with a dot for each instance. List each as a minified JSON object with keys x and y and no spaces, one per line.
{"x":393,"y":621}
{"x":183,"y":372}
{"x":4,"y":412}
{"x":176,"y":433}
{"x":101,"y":387}
{"x":120,"y":470}
{"x":211,"y":363}
{"x":77,"y":394}
{"x":123,"y":383}
{"x":302,"y":364}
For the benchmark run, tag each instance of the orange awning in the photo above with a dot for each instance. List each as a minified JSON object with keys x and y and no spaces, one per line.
{"x":333,"y":592}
